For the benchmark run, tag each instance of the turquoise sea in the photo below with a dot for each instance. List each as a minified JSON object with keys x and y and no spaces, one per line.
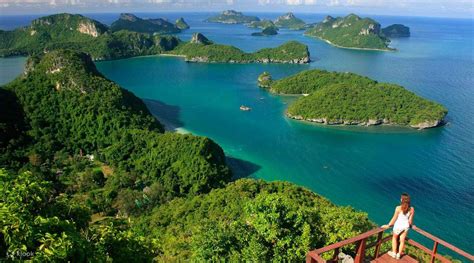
{"x":367,"y":168}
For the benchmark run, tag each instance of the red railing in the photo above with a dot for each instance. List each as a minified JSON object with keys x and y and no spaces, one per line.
{"x":314,"y":256}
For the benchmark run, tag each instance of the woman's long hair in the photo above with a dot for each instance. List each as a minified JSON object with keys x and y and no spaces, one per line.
{"x":405,"y":203}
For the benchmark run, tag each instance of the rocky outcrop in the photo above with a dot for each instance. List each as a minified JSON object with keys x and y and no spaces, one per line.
{"x":289,"y":20}
{"x":264,"y":80}
{"x":199,"y":38}
{"x":427,"y":124}
{"x":181,"y":24}
{"x":88,"y":29}
{"x":370,"y":29}
{"x":370,"y":122}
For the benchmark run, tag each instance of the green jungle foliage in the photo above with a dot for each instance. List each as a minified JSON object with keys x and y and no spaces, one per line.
{"x":133,"y":23}
{"x":267,"y":31}
{"x":261,"y":24}
{"x":66,"y":31}
{"x":290,"y":21}
{"x":351,"y":32}
{"x":285,"y":53}
{"x":232,"y":17}
{"x":250,"y":220}
{"x":396,"y":30}
{"x":351,"y":97}
{"x":181,"y":24}
{"x":146,"y":194}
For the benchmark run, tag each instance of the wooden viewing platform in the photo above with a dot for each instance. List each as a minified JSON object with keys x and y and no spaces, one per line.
{"x":360,"y":241}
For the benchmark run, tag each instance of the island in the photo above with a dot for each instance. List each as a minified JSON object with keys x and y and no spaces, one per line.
{"x":352,"y":32}
{"x":335,"y":98}
{"x":265,"y":80}
{"x":181,"y":24}
{"x":89,"y":175}
{"x":232,"y":17}
{"x":396,"y":30}
{"x":261,"y":24}
{"x":153,"y":26}
{"x":200,"y":49}
{"x":290,"y":21}
{"x":267,"y":31}
{"x":67,"y":31}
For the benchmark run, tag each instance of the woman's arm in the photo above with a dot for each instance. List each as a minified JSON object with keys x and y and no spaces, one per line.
{"x":412,"y":214}
{"x":392,"y":221}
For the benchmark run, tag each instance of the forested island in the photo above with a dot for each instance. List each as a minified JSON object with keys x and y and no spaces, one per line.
{"x":351,"y":31}
{"x":133,"y":23}
{"x":66,"y":31}
{"x":267,"y":31}
{"x":289,"y":21}
{"x":88,"y":175}
{"x":200,"y":49}
{"x":334,"y":98}
{"x":261,"y":24}
{"x":396,"y":30}
{"x":232,"y":17}
{"x":181,"y":24}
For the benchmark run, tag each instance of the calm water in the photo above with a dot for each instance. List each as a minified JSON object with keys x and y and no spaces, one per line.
{"x":366,"y":168}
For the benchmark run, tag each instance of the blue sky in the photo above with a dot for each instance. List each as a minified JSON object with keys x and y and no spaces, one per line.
{"x":441,"y":8}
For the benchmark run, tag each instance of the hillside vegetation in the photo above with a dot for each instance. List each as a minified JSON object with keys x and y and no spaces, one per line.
{"x":347,"y":98}
{"x":232,"y":17}
{"x":87,"y":175}
{"x":290,"y":52}
{"x":133,"y":23}
{"x":76,"y":32}
{"x":351,"y":31}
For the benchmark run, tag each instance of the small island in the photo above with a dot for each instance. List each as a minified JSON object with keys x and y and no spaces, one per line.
{"x":351,"y":31}
{"x":264,"y":80}
{"x":261,"y":24}
{"x":232,"y":17}
{"x":335,"y":98}
{"x":181,"y":24}
{"x":396,"y":30}
{"x":200,"y":49}
{"x":67,"y":31}
{"x":133,"y":23}
{"x":290,"y":21}
{"x":268,"y":31}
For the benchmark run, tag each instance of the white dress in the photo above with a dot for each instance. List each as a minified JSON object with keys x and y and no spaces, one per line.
{"x":402,"y":223}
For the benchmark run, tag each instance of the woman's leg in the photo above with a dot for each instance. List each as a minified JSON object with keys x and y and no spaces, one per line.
{"x":394,"y":243}
{"x":403,"y":235}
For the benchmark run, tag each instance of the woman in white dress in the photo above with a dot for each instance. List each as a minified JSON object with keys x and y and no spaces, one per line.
{"x":401,"y":221}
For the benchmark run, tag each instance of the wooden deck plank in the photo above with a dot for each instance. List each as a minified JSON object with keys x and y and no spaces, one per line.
{"x":385,"y":258}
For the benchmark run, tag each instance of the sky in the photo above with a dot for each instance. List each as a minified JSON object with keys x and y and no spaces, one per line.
{"x":432,"y":8}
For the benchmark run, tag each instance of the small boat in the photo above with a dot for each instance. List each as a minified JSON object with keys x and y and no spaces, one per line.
{"x":244,"y":108}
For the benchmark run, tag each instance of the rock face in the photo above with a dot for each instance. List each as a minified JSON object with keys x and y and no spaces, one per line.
{"x":84,"y":25}
{"x":88,"y":28}
{"x":181,"y":24}
{"x":199,"y":38}
{"x":396,"y":30}
{"x":264,"y":80}
{"x":427,"y":124}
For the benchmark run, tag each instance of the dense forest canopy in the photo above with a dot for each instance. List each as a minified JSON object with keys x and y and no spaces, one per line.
{"x":348,"y":98}
{"x":87,"y":174}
